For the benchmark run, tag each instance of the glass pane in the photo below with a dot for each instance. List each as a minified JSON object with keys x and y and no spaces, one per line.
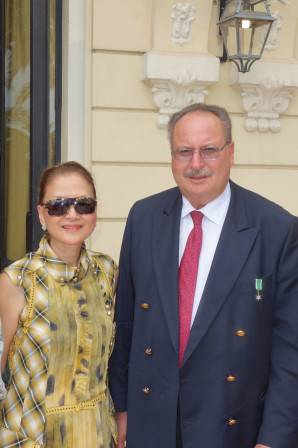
{"x":16,"y":195}
{"x":230,"y":38}
{"x":232,"y":7}
{"x":260,"y":36}
{"x":261,"y":7}
{"x":17,"y":124}
{"x":246,"y":7}
{"x":244,"y":39}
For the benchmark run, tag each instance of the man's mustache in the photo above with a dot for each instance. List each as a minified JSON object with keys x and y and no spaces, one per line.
{"x":198,"y":173}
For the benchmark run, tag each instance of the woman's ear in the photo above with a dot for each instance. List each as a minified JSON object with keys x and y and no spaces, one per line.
{"x":41,"y":211}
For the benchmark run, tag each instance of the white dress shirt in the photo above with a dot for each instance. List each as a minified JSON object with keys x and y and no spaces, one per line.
{"x":214,"y":216}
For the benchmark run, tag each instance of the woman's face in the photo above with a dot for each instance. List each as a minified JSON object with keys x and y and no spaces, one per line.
{"x":72,"y":228}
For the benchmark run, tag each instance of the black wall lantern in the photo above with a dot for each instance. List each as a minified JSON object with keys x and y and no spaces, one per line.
{"x":244,"y":26}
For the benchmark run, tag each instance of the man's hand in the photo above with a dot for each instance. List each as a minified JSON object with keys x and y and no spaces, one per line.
{"x":261,"y":446}
{"x":121,"y":419}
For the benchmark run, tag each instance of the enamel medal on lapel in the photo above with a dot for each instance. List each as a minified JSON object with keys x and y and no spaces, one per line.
{"x":259,"y":289}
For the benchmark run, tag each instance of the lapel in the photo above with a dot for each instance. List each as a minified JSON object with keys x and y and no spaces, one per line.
{"x":165,"y":246}
{"x":236,"y":240}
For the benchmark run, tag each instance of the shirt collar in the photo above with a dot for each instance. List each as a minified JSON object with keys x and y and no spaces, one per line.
{"x":215,"y":210}
{"x":60,"y":270}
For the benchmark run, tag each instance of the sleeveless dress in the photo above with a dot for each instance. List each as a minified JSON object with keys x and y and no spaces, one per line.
{"x":57,"y":392}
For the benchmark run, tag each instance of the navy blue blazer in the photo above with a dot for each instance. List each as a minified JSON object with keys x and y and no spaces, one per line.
{"x":238,"y":385}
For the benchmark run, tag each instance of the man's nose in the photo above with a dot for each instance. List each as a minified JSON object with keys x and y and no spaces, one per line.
{"x":197,"y":160}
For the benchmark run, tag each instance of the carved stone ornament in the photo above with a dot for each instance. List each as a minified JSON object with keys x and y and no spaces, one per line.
{"x":177,"y":81}
{"x":273,"y":38}
{"x":182,"y":15}
{"x":266,"y":93}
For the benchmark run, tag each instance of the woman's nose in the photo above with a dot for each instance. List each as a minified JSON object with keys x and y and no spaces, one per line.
{"x":71,"y":212}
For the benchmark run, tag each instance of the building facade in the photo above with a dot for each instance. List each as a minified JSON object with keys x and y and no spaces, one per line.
{"x":147,"y":58}
{"x":127,"y":65}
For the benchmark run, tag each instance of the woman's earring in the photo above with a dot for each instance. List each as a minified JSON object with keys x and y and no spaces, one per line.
{"x":44,"y":228}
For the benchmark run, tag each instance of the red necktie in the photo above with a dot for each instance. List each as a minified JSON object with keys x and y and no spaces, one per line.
{"x":187,"y":280}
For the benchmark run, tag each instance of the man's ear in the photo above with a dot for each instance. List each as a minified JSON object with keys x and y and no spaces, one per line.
{"x":231,"y":149}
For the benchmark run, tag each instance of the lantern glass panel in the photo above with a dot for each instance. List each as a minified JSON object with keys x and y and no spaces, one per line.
{"x":231,"y":8}
{"x":244,"y":39}
{"x":245,"y":7}
{"x":259,"y":37}
{"x":230,"y":40}
{"x":261,"y":7}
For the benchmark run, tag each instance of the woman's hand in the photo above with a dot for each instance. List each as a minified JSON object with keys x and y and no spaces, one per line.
{"x":121,"y":419}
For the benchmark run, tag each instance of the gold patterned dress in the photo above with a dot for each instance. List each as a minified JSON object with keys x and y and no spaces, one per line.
{"x":57,"y":395}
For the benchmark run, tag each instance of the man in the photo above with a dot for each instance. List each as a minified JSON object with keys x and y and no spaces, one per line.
{"x":206,"y":351}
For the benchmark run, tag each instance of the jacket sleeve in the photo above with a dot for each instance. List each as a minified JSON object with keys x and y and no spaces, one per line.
{"x":124,"y":315}
{"x":279,"y":428}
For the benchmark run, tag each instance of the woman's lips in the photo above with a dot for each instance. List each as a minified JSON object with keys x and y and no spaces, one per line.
{"x":72,"y":227}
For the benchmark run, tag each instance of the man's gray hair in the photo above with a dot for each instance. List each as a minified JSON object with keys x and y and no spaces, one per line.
{"x":218,"y":111}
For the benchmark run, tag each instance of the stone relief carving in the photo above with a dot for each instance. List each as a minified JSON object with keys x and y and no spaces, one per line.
{"x":174,"y":94}
{"x":273,"y":38}
{"x":266,"y":92}
{"x":183,"y":14}
{"x":264,"y":103}
{"x":273,"y":41}
{"x":178,"y":80}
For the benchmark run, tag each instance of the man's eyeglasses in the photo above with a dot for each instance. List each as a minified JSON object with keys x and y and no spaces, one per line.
{"x":60,"y":206}
{"x":207,"y":153}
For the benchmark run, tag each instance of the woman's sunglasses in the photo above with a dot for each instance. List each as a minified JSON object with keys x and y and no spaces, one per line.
{"x":61,"y":206}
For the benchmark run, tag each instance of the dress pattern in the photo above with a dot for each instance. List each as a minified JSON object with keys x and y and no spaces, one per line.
{"x":57,"y":394}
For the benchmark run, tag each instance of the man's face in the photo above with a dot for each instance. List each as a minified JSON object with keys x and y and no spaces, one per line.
{"x":199,"y":180}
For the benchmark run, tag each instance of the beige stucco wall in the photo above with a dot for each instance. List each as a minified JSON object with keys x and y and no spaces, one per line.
{"x":129,"y":154}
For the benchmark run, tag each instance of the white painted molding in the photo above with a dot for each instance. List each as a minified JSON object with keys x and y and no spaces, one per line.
{"x":266,"y":93}
{"x":74,"y":79}
{"x":178,"y":80}
{"x":183,"y":14}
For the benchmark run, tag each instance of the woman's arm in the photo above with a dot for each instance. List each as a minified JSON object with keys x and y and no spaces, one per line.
{"x":11,"y":304}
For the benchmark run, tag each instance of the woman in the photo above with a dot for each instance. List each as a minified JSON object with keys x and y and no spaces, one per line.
{"x":56,"y":307}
